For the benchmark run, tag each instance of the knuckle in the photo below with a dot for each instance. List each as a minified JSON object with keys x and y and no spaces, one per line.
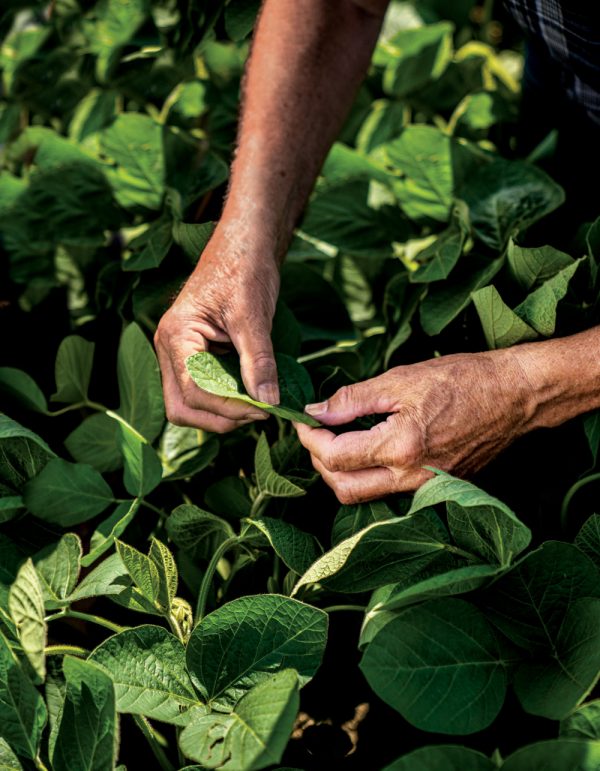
{"x":345,"y":494}
{"x":174,"y":416}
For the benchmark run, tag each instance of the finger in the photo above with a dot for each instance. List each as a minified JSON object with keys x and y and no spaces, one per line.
{"x":350,"y":402}
{"x":346,"y":452}
{"x":257,"y":360}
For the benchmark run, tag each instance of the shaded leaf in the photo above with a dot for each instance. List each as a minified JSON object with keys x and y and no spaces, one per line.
{"x":73,"y":369}
{"x":26,"y":608}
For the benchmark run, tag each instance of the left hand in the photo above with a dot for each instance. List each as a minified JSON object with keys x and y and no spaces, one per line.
{"x":454,"y":413}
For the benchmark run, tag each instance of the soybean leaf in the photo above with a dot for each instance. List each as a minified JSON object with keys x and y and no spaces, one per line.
{"x":591,"y":426}
{"x":438,"y":259}
{"x":114,"y":25}
{"x":73,"y":369}
{"x":533,"y":266}
{"x":67,"y":493}
{"x":251,"y":737}
{"x":444,"y":647}
{"x":167,"y":572}
{"x":450,"y":757}
{"x":501,"y":325}
{"x":139,"y":384}
{"x":10,"y":561}
{"x":539,"y":308}
{"x":229,"y":496}
{"x":220,"y":375}
{"x":149,"y":249}
{"x":142,"y":467}
{"x":381,"y":553}
{"x":504,"y":197}
{"x":240,"y":18}
{"x":8,"y":760}
{"x":110,"y":577}
{"x":245,"y":641}
{"x":528,"y":604}
{"x":555,"y":755}
{"x":296,"y":548}
{"x":86,"y":738}
{"x":582,"y":723}
{"x":352,"y":518}
{"x":478,"y":521}
{"x":22,"y":453}
{"x":268,"y":481}
{"x":186,"y":451}
{"x":198,"y":532}
{"x":587,"y":539}
{"x":109,"y":529}
{"x":478,"y":112}
{"x":26,"y":608}
{"x":147,"y":667}
{"x":192,"y":238}
{"x":95,"y":441}
{"x":58,"y":566}
{"x":553,"y":684}
{"x":22,"y":388}
{"x":143,"y":571}
{"x":22,"y":709}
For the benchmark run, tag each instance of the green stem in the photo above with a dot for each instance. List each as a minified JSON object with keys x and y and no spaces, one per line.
{"x":258,"y":505}
{"x":335,"y":608}
{"x":175,"y":628}
{"x":571,"y":492}
{"x":459,"y":552}
{"x":65,"y":650}
{"x":77,"y":406}
{"x":39,"y":764}
{"x":207,"y":578}
{"x":157,"y":750}
{"x":88,"y":617}
{"x":162,"y":514}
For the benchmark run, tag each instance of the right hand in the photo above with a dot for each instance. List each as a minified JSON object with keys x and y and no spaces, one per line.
{"x":229,"y":298}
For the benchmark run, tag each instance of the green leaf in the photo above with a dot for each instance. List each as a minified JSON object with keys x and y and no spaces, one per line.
{"x":296,"y":548}
{"x":108,"y":530}
{"x":421,"y":174}
{"x":380,"y":553}
{"x":249,"y":639}
{"x":220,"y":375}
{"x":437,"y":260}
{"x":21,"y":388}
{"x":587,"y":539}
{"x":251,"y":737}
{"x":478,"y":112}
{"x":140,"y":384}
{"x":26,"y":608}
{"x":148,"y":250}
{"x":110,"y":577}
{"x":22,"y":453}
{"x":591,"y":426}
{"x":505,"y":197}
{"x":73,"y":369}
{"x":450,"y":757}
{"x":167,"y":572}
{"x":58,"y":566}
{"x":539,"y":308}
{"x":8,"y":760}
{"x":192,"y":238}
{"x":414,"y":57}
{"x":67,"y":493}
{"x":352,"y":518}
{"x":133,"y":143}
{"x":22,"y":709}
{"x":555,"y":755}
{"x":147,"y":667}
{"x":439,"y":664}
{"x":96,"y":442}
{"x":445,"y":300}
{"x":582,"y":723}
{"x":186,"y":451}
{"x":240,"y":18}
{"x":478,"y":522}
{"x":93,"y":113}
{"x":197,"y":531}
{"x":115,"y":23}
{"x":268,"y":481}
{"x":229,"y":497}
{"x":142,"y":466}
{"x":531,"y":267}
{"x":553,"y":684}
{"x":143,"y":571}
{"x":501,"y":326}
{"x":86,"y":738}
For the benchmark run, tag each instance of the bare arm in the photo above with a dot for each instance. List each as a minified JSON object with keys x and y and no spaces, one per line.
{"x":308,"y":58}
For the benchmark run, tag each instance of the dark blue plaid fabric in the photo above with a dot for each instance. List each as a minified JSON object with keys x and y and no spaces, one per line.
{"x":569,"y":31}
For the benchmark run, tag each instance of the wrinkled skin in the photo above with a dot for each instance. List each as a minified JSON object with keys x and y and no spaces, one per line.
{"x":228,"y":300}
{"x":453,"y":413}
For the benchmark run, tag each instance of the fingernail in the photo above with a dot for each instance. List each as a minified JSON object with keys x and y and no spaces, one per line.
{"x":257,"y":416}
{"x":268,"y":393}
{"x":320,"y":408}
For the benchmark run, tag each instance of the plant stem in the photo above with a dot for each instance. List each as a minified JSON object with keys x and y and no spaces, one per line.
{"x":155,"y":509}
{"x":39,"y":764}
{"x":258,"y":505}
{"x":335,"y":608}
{"x":88,"y":617}
{"x":571,"y":492}
{"x":77,"y":406}
{"x":208,"y":576}
{"x":459,"y":552}
{"x":65,"y":650}
{"x":157,"y":750}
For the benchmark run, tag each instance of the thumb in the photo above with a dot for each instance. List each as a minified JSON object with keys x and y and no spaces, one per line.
{"x":257,"y":360}
{"x":349,"y":402}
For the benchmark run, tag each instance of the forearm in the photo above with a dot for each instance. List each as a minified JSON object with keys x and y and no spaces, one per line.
{"x":563,"y":375}
{"x":308,"y":59}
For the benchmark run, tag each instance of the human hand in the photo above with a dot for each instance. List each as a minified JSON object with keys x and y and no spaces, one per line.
{"x":453,"y":413}
{"x":229,"y":299}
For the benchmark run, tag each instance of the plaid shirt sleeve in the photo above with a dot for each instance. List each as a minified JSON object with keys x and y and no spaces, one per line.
{"x":570,"y":32}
